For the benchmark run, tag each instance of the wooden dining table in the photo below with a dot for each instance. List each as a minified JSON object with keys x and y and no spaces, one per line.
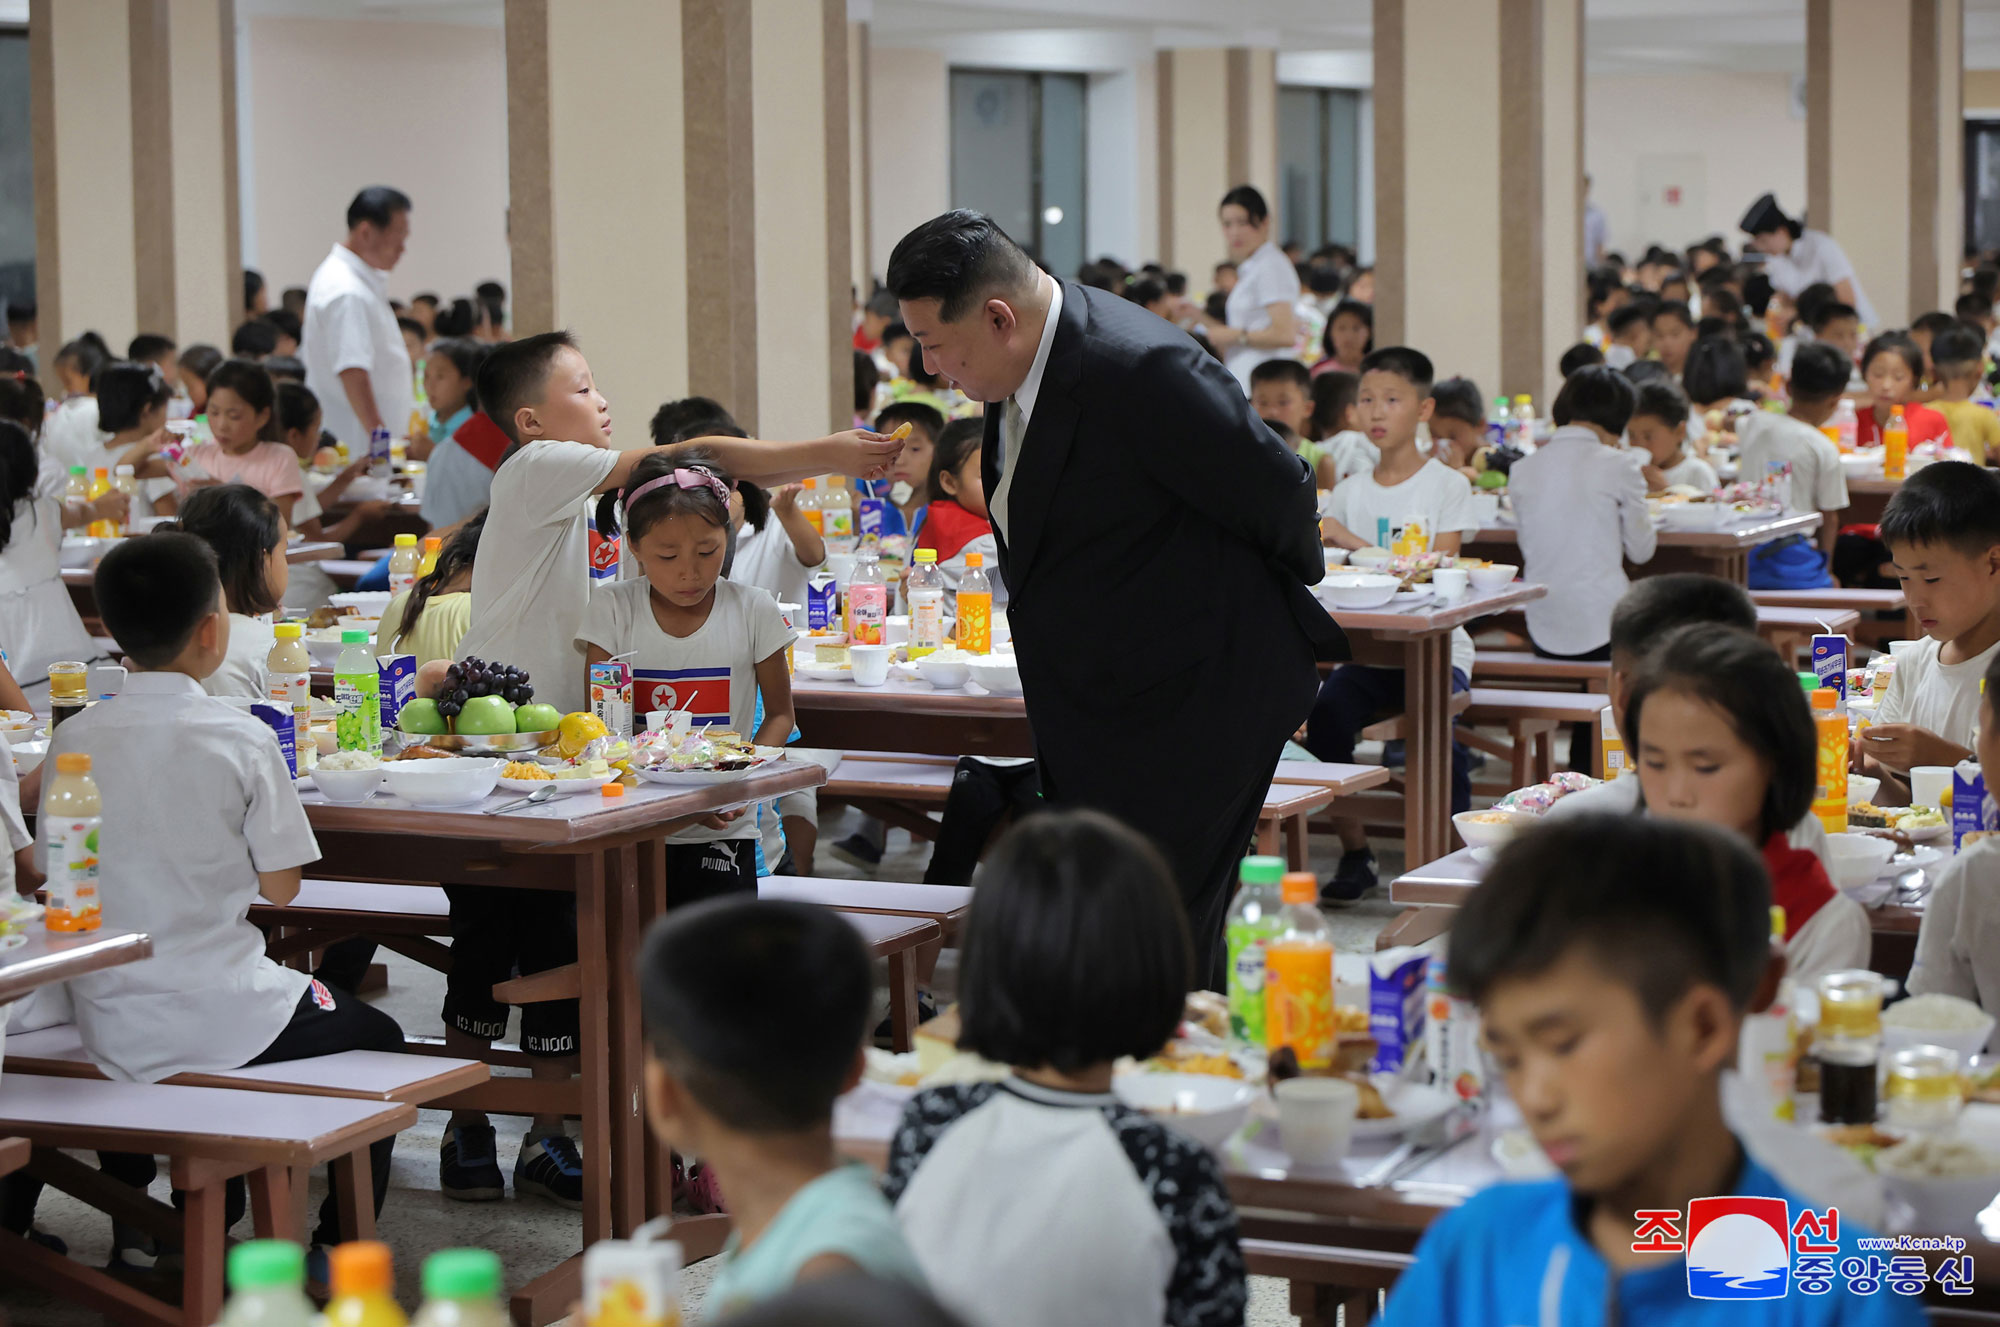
{"x":52,"y":956}
{"x":1723,"y":552}
{"x":607,"y":853}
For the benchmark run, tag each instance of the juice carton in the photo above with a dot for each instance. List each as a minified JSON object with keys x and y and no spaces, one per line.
{"x":632,"y":1283}
{"x":1972,"y":807}
{"x":1451,"y":1037}
{"x":1829,"y":661}
{"x":278,"y":718}
{"x":1395,"y":1006}
{"x":1615,"y":763}
{"x":399,"y":685}
{"x":611,"y":695}
{"x":868,"y":515}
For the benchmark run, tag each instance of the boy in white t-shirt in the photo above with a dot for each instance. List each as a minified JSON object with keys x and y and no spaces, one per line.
{"x":538,"y":557}
{"x":1942,"y":530}
{"x":1367,"y":511}
{"x":1958,"y":944}
{"x":1819,"y":376}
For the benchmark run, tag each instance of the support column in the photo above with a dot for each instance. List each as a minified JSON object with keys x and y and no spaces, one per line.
{"x":1454,"y":128}
{"x":860,"y":181}
{"x":1884,"y":83}
{"x":1218,"y":128}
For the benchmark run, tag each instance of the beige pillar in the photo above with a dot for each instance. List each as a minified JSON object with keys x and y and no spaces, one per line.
{"x":1472,"y":178}
{"x":1885,"y":121}
{"x":124,"y":93}
{"x":909,"y":145}
{"x":1218,"y":114}
{"x":859,"y":183}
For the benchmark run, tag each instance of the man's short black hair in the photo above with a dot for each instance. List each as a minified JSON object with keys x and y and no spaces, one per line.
{"x":1250,"y":199}
{"x":1958,"y":350}
{"x":1716,"y":371}
{"x":725,"y":983}
{"x":1595,"y":394}
{"x":153,"y":591}
{"x":1413,"y":366}
{"x":515,"y":375}
{"x":1757,"y":693}
{"x":1578,"y":356}
{"x":1970,"y":305}
{"x":20,"y":312}
{"x":958,"y":259}
{"x":1675,"y":309}
{"x":1820,"y":372}
{"x":925,"y":419}
{"x":1077,"y":951}
{"x":1954,"y":503}
{"x":1663,"y":400}
{"x":149,"y":345}
{"x":1661,"y":905}
{"x":1626,"y":316}
{"x":377,"y":205}
{"x":254,"y":339}
{"x":1832,"y":311}
{"x":1458,"y":398}
{"x":1657,"y":605}
{"x":1283,"y":370}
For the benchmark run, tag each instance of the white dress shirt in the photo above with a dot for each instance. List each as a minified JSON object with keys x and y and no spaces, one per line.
{"x":349,"y":325}
{"x":1580,"y":507}
{"x":1024,"y":400}
{"x":1815,"y":257}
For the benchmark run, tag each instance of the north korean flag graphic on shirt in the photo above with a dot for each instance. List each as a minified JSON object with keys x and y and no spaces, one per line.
{"x":703,"y":691}
{"x":1738,"y":1248}
{"x":603,"y":554}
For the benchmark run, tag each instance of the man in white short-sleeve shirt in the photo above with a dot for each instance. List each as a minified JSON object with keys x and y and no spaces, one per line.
{"x":356,"y":361}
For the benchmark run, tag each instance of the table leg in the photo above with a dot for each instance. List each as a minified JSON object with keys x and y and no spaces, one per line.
{"x":1427,"y":747}
{"x":652,"y":903}
{"x":203,"y":1247}
{"x":902,"y":1000}
{"x":628,"y":1084}
{"x":271,"y":1203}
{"x":593,"y":945}
{"x":353,"y":1179}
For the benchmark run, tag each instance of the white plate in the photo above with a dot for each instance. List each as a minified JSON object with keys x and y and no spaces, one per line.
{"x":1410,"y":598}
{"x":819,"y":672}
{"x":1414,"y":1103}
{"x":699,"y":778}
{"x":1920,"y":858}
{"x":583,"y":783}
{"x":1930,"y":834}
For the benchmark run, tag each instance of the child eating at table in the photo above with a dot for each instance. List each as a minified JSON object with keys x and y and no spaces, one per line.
{"x":70,"y":434}
{"x":1043,"y":1198}
{"x":909,"y":477}
{"x":1332,"y":424}
{"x":1833,"y":323}
{"x":247,"y":535}
{"x":242,"y":421}
{"x":698,"y":644}
{"x":430,"y":618}
{"x":1458,"y":427}
{"x":1942,"y":530}
{"x":1893,"y":368}
{"x":957,"y":525}
{"x":194,"y":366}
{"x":1958,"y":358}
{"x":1368,"y":510}
{"x":185,"y":864}
{"x":1769,"y":442}
{"x":1658,"y":433}
{"x":38,"y":621}
{"x":1673,"y":335}
{"x":1631,"y":331}
{"x":1613,"y":962}
{"x":1958,"y":945}
{"x":132,"y":401}
{"x":1281,"y":396}
{"x":1349,"y":336}
{"x":716,"y":978}
{"x":1721,"y":733}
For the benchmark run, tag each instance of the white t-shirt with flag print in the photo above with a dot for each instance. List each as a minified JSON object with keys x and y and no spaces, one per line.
{"x":712,"y":673}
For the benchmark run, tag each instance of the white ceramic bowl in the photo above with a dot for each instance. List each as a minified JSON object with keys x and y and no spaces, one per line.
{"x":348,"y":785}
{"x":1694,"y":515}
{"x":84,"y":550}
{"x":455,"y":781}
{"x":1369,"y":557}
{"x":362,"y":603}
{"x":325,"y":646}
{"x":1944,"y":1205}
{"x":29,"y":753}
{"x":1856,"y":860}
{"x":945,"y":674}
{"x":1496,"y":577}
{"x":998,"y":673}
{"x":1490,"y":833}
{"x":1335,"y":557}
{"x":1207,"y":1108}
{"x":1357,"y":589}
{"x":1861,"y":788}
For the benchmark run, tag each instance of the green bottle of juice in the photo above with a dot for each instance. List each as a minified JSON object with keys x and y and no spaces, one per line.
{"x":1254,"y":919}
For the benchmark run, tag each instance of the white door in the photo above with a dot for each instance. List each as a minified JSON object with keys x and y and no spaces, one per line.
{"x":1673,"y":201}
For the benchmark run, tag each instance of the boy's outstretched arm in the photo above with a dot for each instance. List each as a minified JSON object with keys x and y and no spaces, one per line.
{"x":857,"y":453}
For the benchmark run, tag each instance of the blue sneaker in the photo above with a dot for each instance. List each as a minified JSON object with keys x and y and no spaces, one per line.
{"x":552,"y":1167}
{"x":469,"y":1165}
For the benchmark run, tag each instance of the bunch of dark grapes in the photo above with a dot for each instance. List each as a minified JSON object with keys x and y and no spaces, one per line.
{"x":475,"y":677}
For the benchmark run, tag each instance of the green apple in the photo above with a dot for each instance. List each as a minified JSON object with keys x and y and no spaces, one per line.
{"x":486,"y":716}
{"x":537,"y":718}
{"x":421,"y":716}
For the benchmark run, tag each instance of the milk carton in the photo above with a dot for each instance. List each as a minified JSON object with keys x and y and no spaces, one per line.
{"x":399,"y":685}
{"x":1972,"y":807}
{"x":1395,"y":1006}
{"x":611,"y":696}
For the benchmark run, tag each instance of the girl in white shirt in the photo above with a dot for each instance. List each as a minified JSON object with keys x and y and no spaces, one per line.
{"x":70,"y":435}
{"x":1658,"y":434}
{"x":132,"y":401}
{"x":38,"y":623}
{"x":248,"y":536}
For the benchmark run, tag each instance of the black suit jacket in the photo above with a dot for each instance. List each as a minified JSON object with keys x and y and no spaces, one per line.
{"x":1159,"y":546}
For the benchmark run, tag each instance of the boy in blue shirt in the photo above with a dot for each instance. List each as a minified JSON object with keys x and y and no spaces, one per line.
{"x":1612,"y":959}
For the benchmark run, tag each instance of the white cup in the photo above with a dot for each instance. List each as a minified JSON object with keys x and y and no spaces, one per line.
{"x":1451,"y":582}
{"x":870,"y":664}
{"x":896,"y":630}
{"x":1316,"y":1118}
{"x":1928,"y":785}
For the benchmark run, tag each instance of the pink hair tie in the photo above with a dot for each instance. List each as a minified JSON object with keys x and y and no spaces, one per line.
{"x":687,"y":477}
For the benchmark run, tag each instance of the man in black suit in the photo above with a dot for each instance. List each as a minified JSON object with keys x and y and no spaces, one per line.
{"x":1156,"y":540}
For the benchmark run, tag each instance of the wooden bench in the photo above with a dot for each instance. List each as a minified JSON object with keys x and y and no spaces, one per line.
{"x":1531,"y":719}
{"x":1527,"y":666}
{"x":344,"y":572}
{"x":209,"y":1135}
{"x":946,"y":905}
{"x":1327,"y":1279}
{"x":1790,"y":630}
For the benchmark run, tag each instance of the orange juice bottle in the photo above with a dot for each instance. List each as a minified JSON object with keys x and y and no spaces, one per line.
{"x":1830,"y":785}
{"x":432,"y":547}
{"x":100,"y":484}
{"x":810,"y":507}
{"x":364,"y":1283}
{"x":1298,"y":977}
{"x":71,"y":814}
{"x":975,"y":607}
{"x":1896,"y":445}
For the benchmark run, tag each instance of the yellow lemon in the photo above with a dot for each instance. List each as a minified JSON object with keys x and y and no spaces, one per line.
{"x":577,"y":731}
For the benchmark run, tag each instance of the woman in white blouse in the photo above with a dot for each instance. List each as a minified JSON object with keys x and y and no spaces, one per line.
{"x":1797,"y":257}
{"x":1262,"y":321}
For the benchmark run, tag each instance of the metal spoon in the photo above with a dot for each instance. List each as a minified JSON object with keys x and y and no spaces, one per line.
{"x":535,"y":798}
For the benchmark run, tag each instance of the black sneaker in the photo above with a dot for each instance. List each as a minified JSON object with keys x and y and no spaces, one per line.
{"x":552,"y":1167}
{"x":469,"y":1166}
{"x":1354,"y":877}
{"x":856,"y":850}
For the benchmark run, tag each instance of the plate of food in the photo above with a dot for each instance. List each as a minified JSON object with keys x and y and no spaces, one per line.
{"x":519,"y":776}
{"x":698,"y":759}
{"x":1394,"y":1111}
{"x":1919,"y":824}
{"x":822,"y":672}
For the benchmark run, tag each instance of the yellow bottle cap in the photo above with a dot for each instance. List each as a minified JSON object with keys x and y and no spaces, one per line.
{"x":1777,"y":921}
{"x":406,"y":541}
{"x":72,"y":762}
{"x":930,"y":555}
{"x":288,"y":630}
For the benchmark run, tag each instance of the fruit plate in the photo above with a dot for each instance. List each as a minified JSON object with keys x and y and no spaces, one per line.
{"x":700,"y":778}
{"x":583,"y":783}
{"x":484,"y":744}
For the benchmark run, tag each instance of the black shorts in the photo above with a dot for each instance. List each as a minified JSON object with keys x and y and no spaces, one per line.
{"x":697,"y":871}
{"x":497,"y":934}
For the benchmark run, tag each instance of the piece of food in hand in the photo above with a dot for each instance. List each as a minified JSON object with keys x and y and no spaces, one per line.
{"x":527,"y":771}
{"x":902,"y":432}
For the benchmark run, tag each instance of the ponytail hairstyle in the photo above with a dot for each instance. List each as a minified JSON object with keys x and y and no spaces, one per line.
{"x":663,"y":484}
{"x":23,"y":402}
{"x":19,"y":468}
{"x":454,"y":560}
{"x":249,"y":381}
{"x":126,"y":390}
{"x":242,"y":526}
